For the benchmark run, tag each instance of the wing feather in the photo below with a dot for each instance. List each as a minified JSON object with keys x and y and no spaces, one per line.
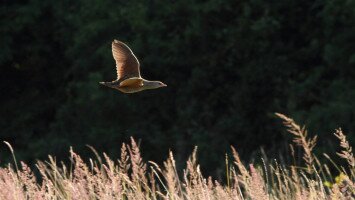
{"x":127,"y":64}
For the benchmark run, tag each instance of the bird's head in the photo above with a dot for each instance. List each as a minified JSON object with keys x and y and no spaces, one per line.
{"x":161,"y":84}
{"x":154,"y":84}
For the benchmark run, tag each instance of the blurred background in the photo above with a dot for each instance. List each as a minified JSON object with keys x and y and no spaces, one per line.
{"x":229,"y":65}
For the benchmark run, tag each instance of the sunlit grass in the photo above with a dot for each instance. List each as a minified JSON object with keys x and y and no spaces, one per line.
{"x":131,"y":178}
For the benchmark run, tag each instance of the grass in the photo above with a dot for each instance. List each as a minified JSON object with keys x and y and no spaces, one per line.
{"x":131,"y":178}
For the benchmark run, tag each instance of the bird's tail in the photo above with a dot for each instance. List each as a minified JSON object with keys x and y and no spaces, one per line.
{"x":112,"y":84}
{"x":108,"y":84}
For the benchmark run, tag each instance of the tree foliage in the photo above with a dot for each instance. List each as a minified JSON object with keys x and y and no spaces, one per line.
{"x":228,"y":65}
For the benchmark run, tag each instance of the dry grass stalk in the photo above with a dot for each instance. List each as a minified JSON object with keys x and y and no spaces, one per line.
{"x":257,"y":185}
{"x":301,"y":139}
{"x":347,"y":153}
{"x":128,"y":178}
{"x":123,"y":162}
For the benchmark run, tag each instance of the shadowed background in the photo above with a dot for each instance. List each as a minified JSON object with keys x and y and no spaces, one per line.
{"x":229,"y":65}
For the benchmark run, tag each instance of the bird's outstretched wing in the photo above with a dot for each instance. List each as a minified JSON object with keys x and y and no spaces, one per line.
{"x":127,"y":65}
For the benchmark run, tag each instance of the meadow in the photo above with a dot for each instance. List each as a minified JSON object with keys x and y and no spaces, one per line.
{"x":131,"y":178}
{"x":228,"y":66}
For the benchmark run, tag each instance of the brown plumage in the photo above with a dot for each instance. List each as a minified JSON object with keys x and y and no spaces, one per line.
{"x":129,"y":79}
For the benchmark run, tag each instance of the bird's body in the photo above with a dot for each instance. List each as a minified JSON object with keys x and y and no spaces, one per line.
{"x":131,"y":85}
{"x":128,"y":79}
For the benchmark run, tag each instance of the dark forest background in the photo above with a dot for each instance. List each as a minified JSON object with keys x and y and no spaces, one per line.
{"x":229,"y":65}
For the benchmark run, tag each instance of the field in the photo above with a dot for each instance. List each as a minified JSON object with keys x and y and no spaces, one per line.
{"x":131,"y":178}
{"x":211,"y":133}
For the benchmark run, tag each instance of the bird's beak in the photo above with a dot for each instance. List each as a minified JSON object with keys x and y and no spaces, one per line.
{"x":164,"y":85}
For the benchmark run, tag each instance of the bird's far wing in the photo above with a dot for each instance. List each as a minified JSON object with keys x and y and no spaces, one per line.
{"x":127,"y":65}
{"x":131,"y":82}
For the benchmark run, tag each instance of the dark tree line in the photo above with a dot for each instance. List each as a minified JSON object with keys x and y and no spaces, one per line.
{"x":229,"y":66}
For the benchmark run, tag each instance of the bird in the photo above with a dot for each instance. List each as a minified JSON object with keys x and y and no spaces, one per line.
{"x":129,"y":79}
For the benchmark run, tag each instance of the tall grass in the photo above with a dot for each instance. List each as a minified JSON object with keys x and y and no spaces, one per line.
{"x":131,"y":178}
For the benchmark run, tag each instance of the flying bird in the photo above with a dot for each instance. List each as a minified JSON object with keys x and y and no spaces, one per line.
{"x":129,"y":79}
